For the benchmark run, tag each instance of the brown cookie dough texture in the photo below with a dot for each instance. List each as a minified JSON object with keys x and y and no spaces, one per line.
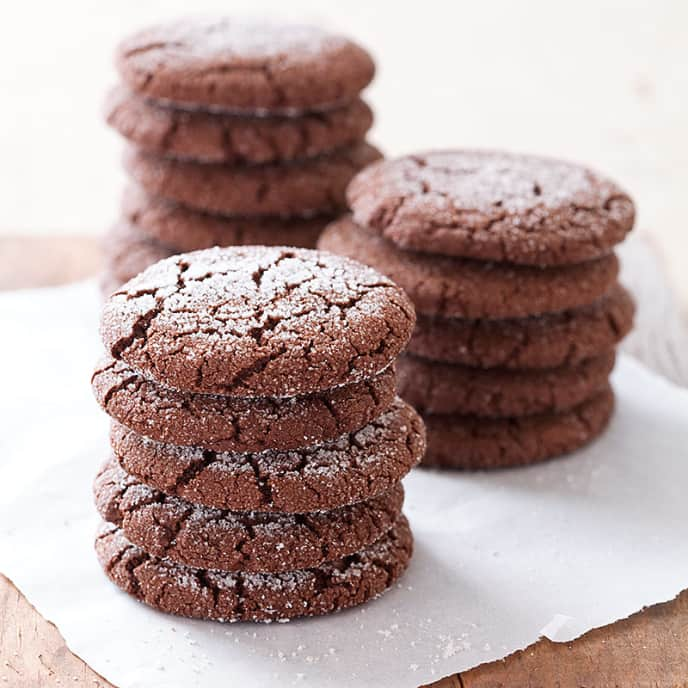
{"x":492,"y":205}
{"x":185,"y":230}
{"x":301,"y":188}
{"x":244,"y":65}
{"x":153,"y":229}
{"x":466,"y":288}
{"x":127,"y":252}
{"x":241,"y":133}
{"x":440,"y":388}
{"x":223,"y":423}
{"x":472,"y":443}
{"x":543,"y":341}
{"x":509,"y":261}
{"x":257,"y":441}
{"x":233,"y":139}
{"x":208,"y":594}
{"x":257,"y":321}
{"x":356,"y":466}
{"x":203,"y":537}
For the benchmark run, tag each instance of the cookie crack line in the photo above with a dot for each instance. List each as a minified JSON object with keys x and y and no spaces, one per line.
{"x":547,"y":341}
{"x":229,"y":597}
{"x":249,"y":67}
{"x":489,"y":205}
{"x":468,"y":443}
{"x":139,"y":329}
{"x":222,"y":423}
{"x":354,"y":467}
{"x":150,"y":46}
{"x":258,"y":321}
{"x":452,"y":287}
{"x":219,"y":539}
{"x":143,"y":321}
{"x":282,"y":188}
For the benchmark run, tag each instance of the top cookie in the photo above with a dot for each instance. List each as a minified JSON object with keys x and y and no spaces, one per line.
{"x":244,"y":66}
{"x":492,"y":206}
{"x":257,"y":321}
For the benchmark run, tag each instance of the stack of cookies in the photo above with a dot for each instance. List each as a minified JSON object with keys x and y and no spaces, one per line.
{"x":241,"y":133}
{"x":257,"y":442}
{"x":509,"y":262}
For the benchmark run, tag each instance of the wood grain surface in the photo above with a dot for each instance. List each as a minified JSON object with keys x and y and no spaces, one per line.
{"x":649,"y":649}
{"x":33,"y":654}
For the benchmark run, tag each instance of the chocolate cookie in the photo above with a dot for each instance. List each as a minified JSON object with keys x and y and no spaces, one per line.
{"x":545,"y":341}
{"x":246,"y":66}
{"x":493,"y":206}
{"x":233,"y":139}
{"x":240,"y":424}
{"x":258,"y":321}
{"x":355,"y":467}
{"x":127,"y":252}
{"x":434,"y":387}
{"x":466,"y":288}
{"x":239,"y":541}
{"x":472,"y":443}
{"x":190,"y":230}
{"x":300,"y":188}
{"x":220,"y":596}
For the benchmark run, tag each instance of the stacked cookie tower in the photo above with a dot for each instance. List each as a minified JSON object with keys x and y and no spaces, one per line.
{"x":241,"y":133}
{"x":509,"y":262}
{"x":257,"y":442}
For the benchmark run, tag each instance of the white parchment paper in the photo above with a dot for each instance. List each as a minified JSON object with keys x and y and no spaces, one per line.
{"x":500,"y":558}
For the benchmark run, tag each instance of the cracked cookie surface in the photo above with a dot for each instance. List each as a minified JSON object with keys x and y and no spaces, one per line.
{"x":257,"y":321}
{"x":233,"y":139}
{"x":249,"y":66}
{"x":544,"y":341}
{"x":434,"y":387}
{"x":200,"y":593}
{"x":356,"y":466}
{"x":222,"y":423}
{"x":300,"y":188}
{"x":184,"y":229}
{"x":493,"y":206}
{"x":467,"y":288}
{"x":471,"y":443}
{"x":204,"y":537}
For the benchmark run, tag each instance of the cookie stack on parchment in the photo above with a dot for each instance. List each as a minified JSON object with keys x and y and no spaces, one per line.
{"x":257,"y":442}
{"x":509,"y":262}
{"x":240,"y":132}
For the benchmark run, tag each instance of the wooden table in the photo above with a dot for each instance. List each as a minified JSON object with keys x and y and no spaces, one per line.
{"x":648,"y":649}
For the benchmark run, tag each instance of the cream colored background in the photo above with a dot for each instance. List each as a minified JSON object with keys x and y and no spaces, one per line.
{"x":604,"y":82}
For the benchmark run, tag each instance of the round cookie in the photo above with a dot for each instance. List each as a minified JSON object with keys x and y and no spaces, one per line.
{"x":230,"y":597}
{"x":356,"y":466}
{"x":189,"y":230}
{"x":127,"y":252}
{"x":468,"y":442}
{"x":241,"y":65}
{"x":202,"y":537}
{"x":299,"y":188}
{"x":491,"y":205}
{"x":258,"y":321}
{"x":466,"y":288}
{"x":440,"y":388}
{"x":233,"y":139}
{"x":545,"y":341}
{"x":239,"y":424}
